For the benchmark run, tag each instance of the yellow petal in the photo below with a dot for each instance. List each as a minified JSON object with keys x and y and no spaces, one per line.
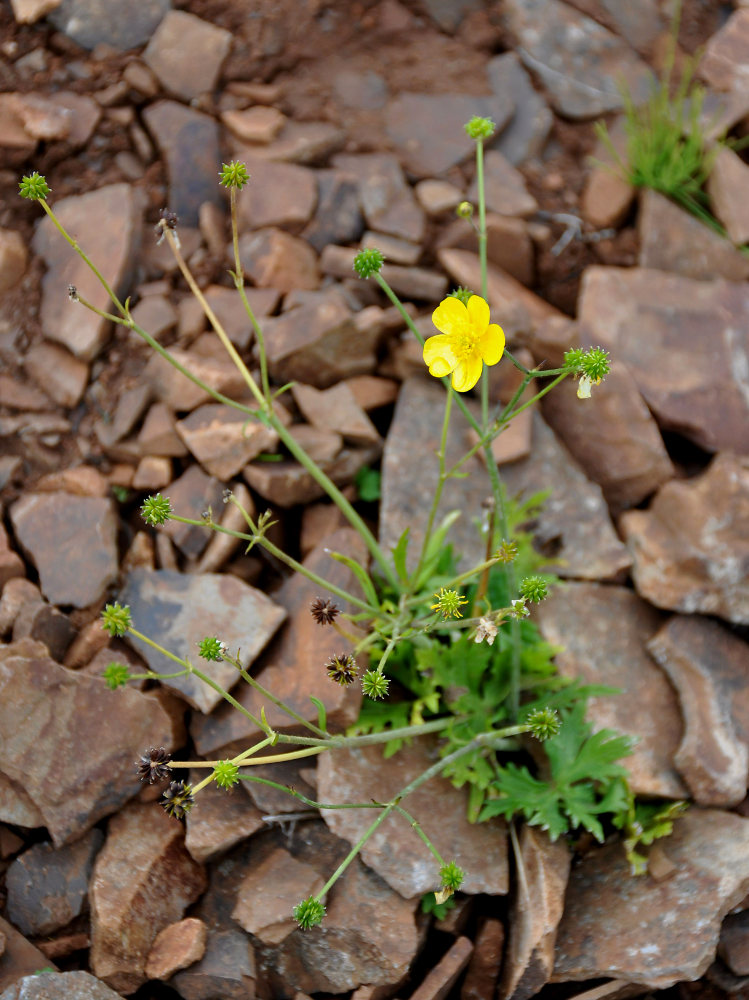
{"x":478,"y":312}
{"x":450,"y":315}
{"x":492,"y":344}
{"x":467,"y":373}
{"x":439,"y":356}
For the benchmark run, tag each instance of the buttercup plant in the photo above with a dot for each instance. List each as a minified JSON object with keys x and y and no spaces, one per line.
{"x":469,"y":665}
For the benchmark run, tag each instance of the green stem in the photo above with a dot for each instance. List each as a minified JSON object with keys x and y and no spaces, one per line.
{"x":88,"y":262}
{"x":200,"y":675}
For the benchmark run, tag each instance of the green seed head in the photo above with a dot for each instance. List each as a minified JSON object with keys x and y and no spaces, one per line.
{"x":233,"y":175}
{"x":368,"y":262}
{"x":34,"y":187}
{"x":534,"y":588}
{"x":116,"y":619}
{"x":452,"y":876}
{"x":544,"y":723}
{"x":116,"y":675}
{"x":309,"y":913}
{"x":156,"y":509}
{"x":375,"y":685}
{"x":212,"y":648}
{"x":480,"y":128}
{"x":462,"y":294}
{"x":226,"y":774}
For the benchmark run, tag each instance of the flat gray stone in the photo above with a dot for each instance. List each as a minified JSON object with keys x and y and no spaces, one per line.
{"x":179,"y":610}
{"x":48,"y":887}
{"x":124,"y":26}
{"x":428,"y":129}
{"x":60,"y":986}
{"x":525,"y":134}
{"x":189,"y":144}
{"x":72,"y":541}
{"x":685,"y":342}
{"x":709,"y":668}
{"x":602,"y":632}
{"x":393,"y":851}
{"x":581,"y":64}
{"x":106,"y":224}
{"x":690,"y":548}
{"x":649,"y":932}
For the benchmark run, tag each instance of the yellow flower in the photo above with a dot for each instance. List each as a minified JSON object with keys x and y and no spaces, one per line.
{"x":467,"y":339}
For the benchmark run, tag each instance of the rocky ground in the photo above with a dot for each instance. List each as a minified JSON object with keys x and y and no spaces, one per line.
{"x":349,"y":116}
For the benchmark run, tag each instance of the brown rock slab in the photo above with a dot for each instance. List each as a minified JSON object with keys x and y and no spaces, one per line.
{"x":603,"y":632}
{"x":92,"y":217}
{"x":672,"y":239}
{"x":191,"y":495}
{"x":335,"y":409}
{"x":709,"y":668}
{"x":47,"y":624}
{"x":612,"y":435}
{"x":393,"y":851}
{"x":279,"y":194}
{"x":186,"y":53}
{"x":486,"y":961}
{"x":72,"y":541}
{"x":181,"y":394}
{"x":724,"y":63}
{"x":13,"y":259}
{"x":128,"y":409}
{"x":182,"y":609}
{"x":276,"y":259}
{"x":287,"y":483}
{"x":61,"y":375}
{"x":392,"y":247}
{"x":219,"y":821}
{"x":607,"y":198}
{"x":437,"y":197}
{"x":728,"y":190}
{"x":294,"y":664}
{"x":680,"y":339}
{"x":373,"y":391}
{"x":428,"y":131}
{"x":321,"y":446}
{"x":153,"y":473}
{"x":369,"y":936}
{"x":226,"y":970}
{"x":71,"y":791}
{"x":158,"y":435}
{"x":281,"y":882}
{"x":143,"y":880}
{"x":48,"y":887}
{"x":16,"y":806}
{"x":615,"y":925}
{"x":387,"y":201}
{"x":317,"y":343}
{"x":582,"y":66}
{"x":258,"y":124}
{"x":20,"y":958}
{"x":176,"y":947}
{"x":223,"y":440}
{"x":708,"y":574}
{"x":11,"y":565}
{"x":734,"y":943}
{"x":156,"y":315}
{"x":29,"y":11}
{"x":188,"y":142}
{"x":441,"y":979}
{"x":297,"y":142}
{"x":537,"y":910}
{"x":504,"y":188}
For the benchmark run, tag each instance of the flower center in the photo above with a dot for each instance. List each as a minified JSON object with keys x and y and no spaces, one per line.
{"x":464,"y":342}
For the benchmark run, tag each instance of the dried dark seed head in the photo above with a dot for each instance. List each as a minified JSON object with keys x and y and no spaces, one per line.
{"x":342,"y":669}
{"x":178,"y":799}
{"x":154,"y":765}
{"x":324,"y":611}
